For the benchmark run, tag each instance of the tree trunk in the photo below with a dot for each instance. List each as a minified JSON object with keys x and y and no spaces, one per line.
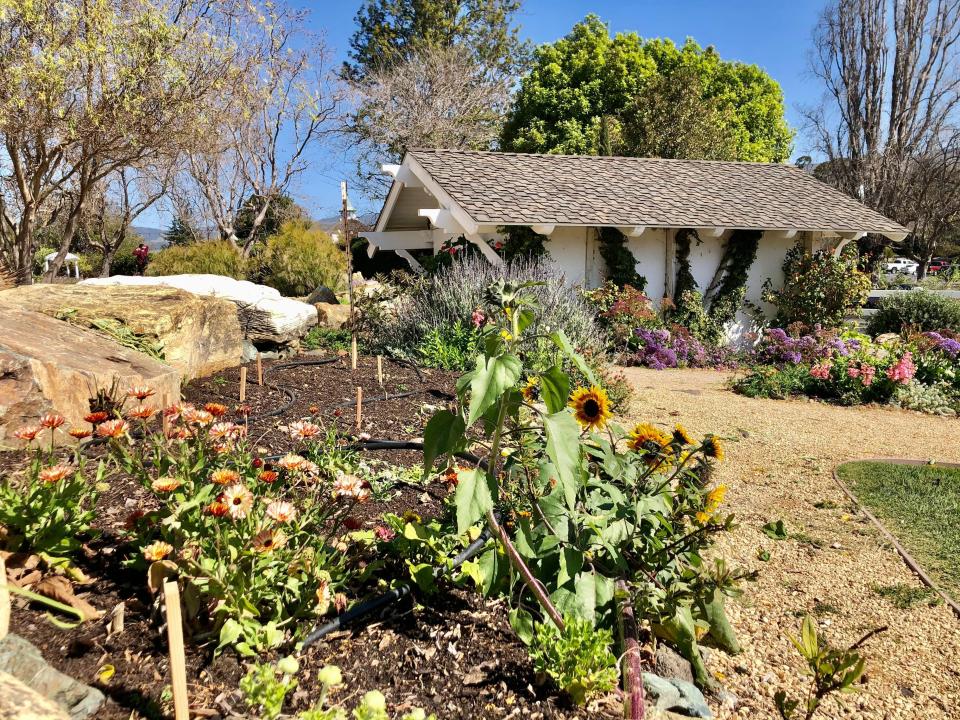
{"x":107,"y":261}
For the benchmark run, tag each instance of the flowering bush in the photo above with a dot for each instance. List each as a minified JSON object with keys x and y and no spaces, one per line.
{"x":257,"y":546}
{"x":851,"y":368}
{"x":579,"y":504}
{"x":677,"y":347}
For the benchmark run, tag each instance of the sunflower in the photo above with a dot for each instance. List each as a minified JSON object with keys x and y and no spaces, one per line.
{"x":648,"y":437}
{"x":712,"y":448}
{"x":682,"y":436}
{"x":714,"y":498}
{"x":238,"y":500}
{"x":591,"y":407}
{"x":268,"y":540}
{"x":531,"y":391}
{"x":157,"y":550}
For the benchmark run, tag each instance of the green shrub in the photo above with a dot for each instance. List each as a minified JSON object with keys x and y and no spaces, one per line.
{"x":300,"y":257}
{"x":772,"y":382}
{"x":326,"y":338}
{"x":123,"y":261}
{"x":818,"y":289}
{"x":917,"y":311}
{"x":216,"y":257}
{"x":451,"y":348}
{"x":578,"y":659}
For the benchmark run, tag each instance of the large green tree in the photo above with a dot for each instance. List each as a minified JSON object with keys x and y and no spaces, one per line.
{"x":587,"y":81}
{"x":394,"y":31}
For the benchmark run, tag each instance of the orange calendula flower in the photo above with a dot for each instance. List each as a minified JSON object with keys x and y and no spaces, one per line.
{"x":112,"y":429}
{"x":157,"y":550}
{"x":224,"y":476}
{"x":95,"y":418}
{"x":218,"y":508}
{"x":192,"y":416}
{"x":79,"y":433}
{"x":349,"y":486}
{"x":27,"y":433}
{"x":142,"y":412}
{"x":268,"y":540}
{"x":56,"y":473}
{"x":303,"y":430}
{"x":712,"y":448}
{"x":281,"y":511}
{"x":141,"y":392}
{"x":216,"y":409}
{"x":238,"y":500}
{"x":269,"y":476}
{"x":222,"y":430}
{"x":51,"y":421}
{"x":591,"y":407}
{"x":290,"y":462}
{"x":165,"y":484}
{"x":648,"y":437}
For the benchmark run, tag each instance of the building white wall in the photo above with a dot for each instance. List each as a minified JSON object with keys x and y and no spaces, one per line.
{"x":571,"y":249}
{"x":650,"y":250}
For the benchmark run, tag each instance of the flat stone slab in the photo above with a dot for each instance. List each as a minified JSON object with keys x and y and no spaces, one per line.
{"x":22,"y":661}
{"x":47,"y":365}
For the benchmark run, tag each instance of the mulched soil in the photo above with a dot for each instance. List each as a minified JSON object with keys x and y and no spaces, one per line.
{"x":453,"y":653}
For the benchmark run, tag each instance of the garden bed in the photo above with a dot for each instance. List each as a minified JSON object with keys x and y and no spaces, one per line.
{"x":454,"y":654}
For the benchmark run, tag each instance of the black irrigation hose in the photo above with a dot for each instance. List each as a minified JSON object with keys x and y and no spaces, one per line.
{"x":397,"y":593}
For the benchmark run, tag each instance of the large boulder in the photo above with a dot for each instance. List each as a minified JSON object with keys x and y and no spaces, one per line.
{"x":196,"y":335}
{"x":332,"y":316}
{"x":47,"y":365}
{"x":266,"y":317}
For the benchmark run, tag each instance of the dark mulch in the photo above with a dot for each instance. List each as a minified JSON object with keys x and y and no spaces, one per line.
{"x":453,"y":653}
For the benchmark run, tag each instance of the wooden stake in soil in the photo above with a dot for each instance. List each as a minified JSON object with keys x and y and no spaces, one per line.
{"x":353,"y":352}
{"x":243,"y":384}
{"x":359,"y":406}
{"x":380,"y":369}
{"x":259,"y":370}
{"x":4,"y":602}
{"x":178,"y":659}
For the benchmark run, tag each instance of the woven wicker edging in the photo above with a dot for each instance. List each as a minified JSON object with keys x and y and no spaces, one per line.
{"x":891,"y":538}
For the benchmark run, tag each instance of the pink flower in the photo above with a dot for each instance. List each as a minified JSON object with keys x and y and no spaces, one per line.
{"x":867,"y":373}
{"x":821,"y":371}
{"x":853,"y":371}
{"x":384,"y":533}
{"x":477,"y":318}
{"x":904,"y":370}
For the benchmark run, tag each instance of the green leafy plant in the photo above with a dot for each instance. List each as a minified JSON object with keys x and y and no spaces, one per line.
{"x":832,"y":670}
{"x":451,"y":347}
{"x":621,"y":263}
{"x":593,"y":504}
{"x":776,"y":530}
{"x":265,"y":686}
{"x":50,"y":511}
{"x":915,"y":311}
{"x":818,"y":289}
{"x":326,"y":338}
{"x":578,"y":658}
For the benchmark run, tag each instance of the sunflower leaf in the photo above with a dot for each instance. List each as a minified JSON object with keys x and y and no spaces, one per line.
{"x":491,"y":378}
{"x":563,"y":449}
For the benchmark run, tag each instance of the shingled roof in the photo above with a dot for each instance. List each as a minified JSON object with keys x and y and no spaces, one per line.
{"x":524,"y":189}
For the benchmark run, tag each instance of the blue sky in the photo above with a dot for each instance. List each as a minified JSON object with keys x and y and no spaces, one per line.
{"x":774,"y":34}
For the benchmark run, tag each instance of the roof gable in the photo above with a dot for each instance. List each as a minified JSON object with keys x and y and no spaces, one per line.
{"x":524,"y":189}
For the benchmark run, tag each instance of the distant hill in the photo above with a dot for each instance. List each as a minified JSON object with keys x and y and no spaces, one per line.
{"x":152,"y":236}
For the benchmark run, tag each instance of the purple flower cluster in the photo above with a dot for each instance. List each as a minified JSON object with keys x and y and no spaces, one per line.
{"x":780,"y":348}
{"x":661,"y":349}
{"x":948,"y":345}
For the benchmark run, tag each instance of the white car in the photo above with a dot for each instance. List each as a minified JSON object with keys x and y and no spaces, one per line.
{"x":904,"y":266}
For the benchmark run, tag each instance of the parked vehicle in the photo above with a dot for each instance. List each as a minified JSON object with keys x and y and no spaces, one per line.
{"x":938,"y":265}
{"x":905,"y":266}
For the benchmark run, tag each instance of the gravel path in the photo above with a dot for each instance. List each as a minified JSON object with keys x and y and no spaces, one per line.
{"x":780,"y":455}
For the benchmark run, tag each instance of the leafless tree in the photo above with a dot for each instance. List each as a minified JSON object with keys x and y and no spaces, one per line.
{"x":888,"y":124}
{"x":260,"y":139}
{"x":441,"y":97}
{"x":117,"y":203}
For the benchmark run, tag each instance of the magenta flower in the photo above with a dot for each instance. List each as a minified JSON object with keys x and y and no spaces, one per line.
{"x":904,"y":370}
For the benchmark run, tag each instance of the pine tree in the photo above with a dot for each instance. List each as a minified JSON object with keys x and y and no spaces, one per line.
{"x":179,"y":233}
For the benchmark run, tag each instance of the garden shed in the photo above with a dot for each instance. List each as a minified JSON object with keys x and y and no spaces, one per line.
{"x":440,"y":195}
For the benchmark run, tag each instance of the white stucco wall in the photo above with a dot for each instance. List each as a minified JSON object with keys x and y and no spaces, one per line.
{"x":650,"y":251}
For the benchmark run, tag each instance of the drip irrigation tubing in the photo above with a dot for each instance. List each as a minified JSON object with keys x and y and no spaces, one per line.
{"x":395,"y":594}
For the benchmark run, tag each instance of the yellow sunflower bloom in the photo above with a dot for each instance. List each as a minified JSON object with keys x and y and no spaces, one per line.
{"x":682,"y":436}
{"x":712,"y":448}
{"x":648,"y":437}
{"x":531,"y":391}
{"x":714,"y":499}
{"x":591,"y":407}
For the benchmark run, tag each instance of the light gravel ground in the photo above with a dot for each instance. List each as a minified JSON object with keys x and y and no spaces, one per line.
{"x":780,"y":455}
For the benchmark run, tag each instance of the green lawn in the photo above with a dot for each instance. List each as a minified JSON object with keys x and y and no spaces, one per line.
{"x":921,"y":506}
